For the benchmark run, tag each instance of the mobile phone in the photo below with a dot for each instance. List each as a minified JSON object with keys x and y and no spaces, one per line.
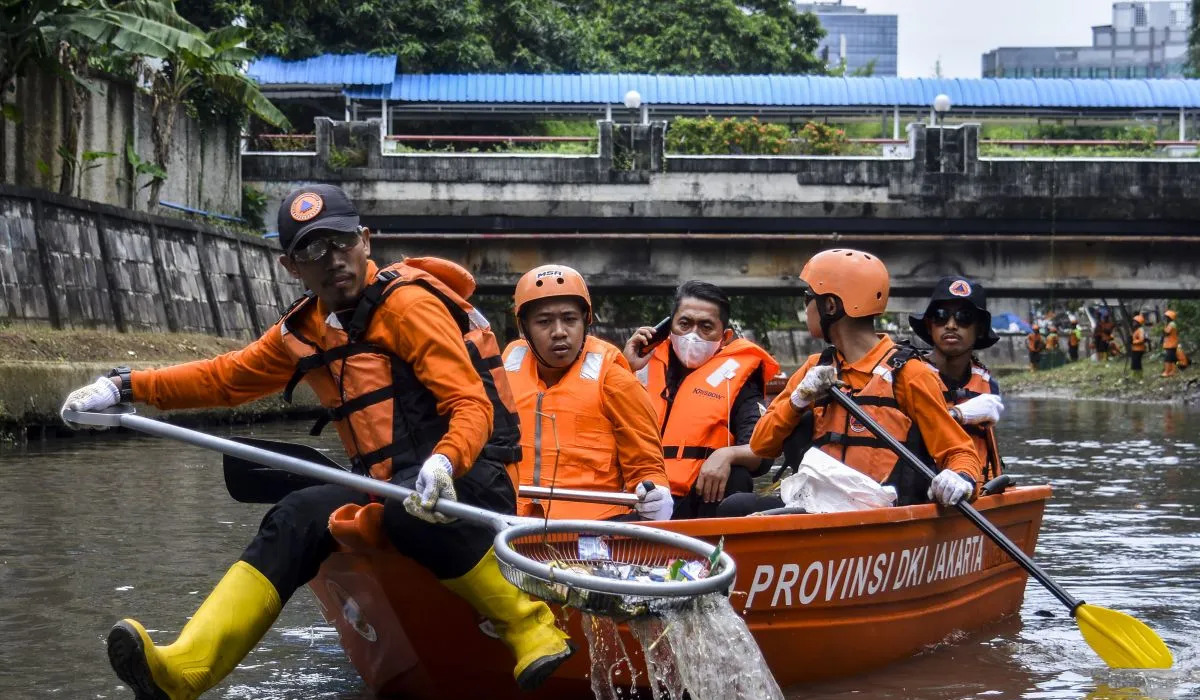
{"x":661,"y":331}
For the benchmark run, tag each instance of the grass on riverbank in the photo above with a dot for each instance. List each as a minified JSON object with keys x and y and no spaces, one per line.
{"x":1106,"y":380}
{"x":23,"y":343}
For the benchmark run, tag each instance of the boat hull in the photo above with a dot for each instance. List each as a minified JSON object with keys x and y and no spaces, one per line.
{"x":825,"y":596}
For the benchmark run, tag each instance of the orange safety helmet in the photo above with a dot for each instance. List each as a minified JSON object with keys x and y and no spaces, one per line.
{"x":860,"y":280}
{"x":1139,"y":318}
{"x":549,"y":281}
{"x":1170,"y":313}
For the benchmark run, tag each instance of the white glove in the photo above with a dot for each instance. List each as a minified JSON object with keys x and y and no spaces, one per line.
{"x":96,"y":396}
{"x":985,"y":408}
{"x":949,"y":487}
{"x":434,"y":481}
{"x":655,"y":504}
{"x":815,"y":383}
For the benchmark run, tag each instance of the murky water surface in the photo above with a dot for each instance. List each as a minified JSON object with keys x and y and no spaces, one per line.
{"x":95,"y":529}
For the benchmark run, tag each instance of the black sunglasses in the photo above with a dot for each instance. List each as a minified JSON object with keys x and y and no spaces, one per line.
{"x":962,"y":317}
{"x":320,"y":246}
{"x":809,"y":297}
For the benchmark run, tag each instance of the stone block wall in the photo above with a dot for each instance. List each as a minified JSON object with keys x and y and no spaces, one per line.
{"x":77,"y":264}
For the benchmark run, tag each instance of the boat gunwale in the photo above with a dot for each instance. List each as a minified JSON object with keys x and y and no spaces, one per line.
{"x":780,"y":524}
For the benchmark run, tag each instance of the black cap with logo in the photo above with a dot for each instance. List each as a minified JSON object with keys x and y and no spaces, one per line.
{"x":958,"y":289}
{"x":314,"y":208}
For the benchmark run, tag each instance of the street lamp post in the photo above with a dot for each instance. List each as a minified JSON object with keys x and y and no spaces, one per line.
{"x":633,"y":100}
{"x":941,"y":105}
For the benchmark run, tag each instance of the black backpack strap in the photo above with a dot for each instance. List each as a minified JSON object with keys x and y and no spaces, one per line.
{"x":372,"y":296}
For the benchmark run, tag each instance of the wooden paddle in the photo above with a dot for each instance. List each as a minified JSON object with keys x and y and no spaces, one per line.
{"x":251,"y":482}
{"x":1120,"y":640}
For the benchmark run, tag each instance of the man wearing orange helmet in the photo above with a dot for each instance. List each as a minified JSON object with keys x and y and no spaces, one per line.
{"x":707,"y":389}
{"x":846,"y":291}
{"x":585,"y":421}
{"x":1170,"y":344}
{"x":1137,"y":343}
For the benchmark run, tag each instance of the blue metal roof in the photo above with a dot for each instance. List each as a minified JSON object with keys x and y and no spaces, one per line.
{"x":787,"y":91}
{"x":330,"y":69}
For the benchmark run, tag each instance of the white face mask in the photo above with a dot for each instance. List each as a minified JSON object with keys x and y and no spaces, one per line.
{"x":692,"y":350}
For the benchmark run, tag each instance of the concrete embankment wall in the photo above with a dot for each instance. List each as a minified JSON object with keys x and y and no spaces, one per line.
{"x":77,"y":264}
{"x":71,"y":264}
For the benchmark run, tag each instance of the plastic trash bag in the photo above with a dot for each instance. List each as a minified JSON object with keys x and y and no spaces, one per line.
{"x":825,"y":485}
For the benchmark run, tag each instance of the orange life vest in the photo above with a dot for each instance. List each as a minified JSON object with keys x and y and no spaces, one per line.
{"x":566,"y":440}
{"x":841,"y":436}
{"x":1073,"y":338}
{"x":385,"y":417}
{"x":696,"y":422}
{"x":1170,"y":336}
{"x":1137,"y":342}
{"x":1035,"y":343}
{"x":982,"y":436}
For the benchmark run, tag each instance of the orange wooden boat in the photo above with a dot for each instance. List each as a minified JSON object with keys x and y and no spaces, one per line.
{"x":855,"y":590}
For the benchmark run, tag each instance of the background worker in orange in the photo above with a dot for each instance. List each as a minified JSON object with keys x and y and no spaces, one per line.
{"x":955,"y":324}
{"x":1036,"y":344}
{"x":707,"y":389}
{"x":1137,"y":343}
{"x":389,"y":360}
{"x":1170,"y":343}
{"x":585,"y":421}
{"x":1074,"y":335}
{"x":846,"y":291}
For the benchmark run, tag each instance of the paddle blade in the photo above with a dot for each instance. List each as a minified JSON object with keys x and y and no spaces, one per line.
{"x":1122,"y":641}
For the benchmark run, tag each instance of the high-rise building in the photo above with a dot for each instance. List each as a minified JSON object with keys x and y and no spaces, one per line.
{"x":864,"y":41}
{"x":1145,"y":40}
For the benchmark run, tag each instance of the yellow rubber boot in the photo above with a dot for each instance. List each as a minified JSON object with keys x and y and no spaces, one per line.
{"x":228,"y":624}
{"x":525,"y":625}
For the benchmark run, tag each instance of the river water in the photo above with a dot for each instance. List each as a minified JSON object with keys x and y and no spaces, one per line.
{"x":96,"y":528}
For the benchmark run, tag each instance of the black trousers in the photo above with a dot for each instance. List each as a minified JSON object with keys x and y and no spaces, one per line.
{"x":1135,"y":360}
{"x":1073,"y":352}
{"x":741,"y":504}
{"x":693,"y":505}
{"x":1169,"y":355}
{"x":294,"y":536}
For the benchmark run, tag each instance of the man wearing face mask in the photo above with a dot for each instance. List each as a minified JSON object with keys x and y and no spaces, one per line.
{"x":708,"y":391}
{"x":584,"y":422}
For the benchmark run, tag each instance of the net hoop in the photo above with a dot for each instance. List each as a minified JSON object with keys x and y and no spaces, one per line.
{"x":720,"y":578}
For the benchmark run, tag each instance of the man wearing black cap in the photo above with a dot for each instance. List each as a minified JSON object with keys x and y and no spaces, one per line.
{"x":955,"y":323}
{"x":410,"y":375}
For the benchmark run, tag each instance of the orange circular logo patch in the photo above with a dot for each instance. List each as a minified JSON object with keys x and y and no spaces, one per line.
{"x":306,"y":206}
{"x":960,"y":288}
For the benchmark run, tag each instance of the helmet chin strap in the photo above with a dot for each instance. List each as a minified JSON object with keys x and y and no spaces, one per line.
{"x":827,"y":320}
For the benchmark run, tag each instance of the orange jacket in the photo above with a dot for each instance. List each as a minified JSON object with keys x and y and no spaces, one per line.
{"x":412,"y":331}
{"x":918,"y":396}
{"x":983,"y":437}
{"x":1170,"y":336}
{"x":1137,"y":342}
{"x":593,"y":430}
{"x":696,"y":423}
{"x":1035,"y":342}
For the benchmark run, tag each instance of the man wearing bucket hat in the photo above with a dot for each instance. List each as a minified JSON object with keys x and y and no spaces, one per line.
{"x":409,"y":373}
{"x":956,"y":323}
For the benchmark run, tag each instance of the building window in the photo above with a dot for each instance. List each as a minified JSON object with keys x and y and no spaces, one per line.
{"x":1179,"y":14}
{"x":1139,"y":15}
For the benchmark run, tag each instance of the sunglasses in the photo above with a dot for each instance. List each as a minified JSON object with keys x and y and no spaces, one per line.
{"x":320,"y":246}
{"x":962,"y":317}
{"x":809,"y":297}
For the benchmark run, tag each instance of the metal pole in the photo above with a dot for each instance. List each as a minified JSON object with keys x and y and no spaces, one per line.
{"x":896,"y":122}
{"x":1182,"y":125}
{"x":607,"y":112}
{"x":645,"y":113}
{"x":347,"y":109}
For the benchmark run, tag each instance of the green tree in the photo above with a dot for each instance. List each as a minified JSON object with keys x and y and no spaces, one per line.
{"x":689,"y":36}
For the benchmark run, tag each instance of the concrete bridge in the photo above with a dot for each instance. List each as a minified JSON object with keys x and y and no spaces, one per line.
{"x":632,"y":218}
